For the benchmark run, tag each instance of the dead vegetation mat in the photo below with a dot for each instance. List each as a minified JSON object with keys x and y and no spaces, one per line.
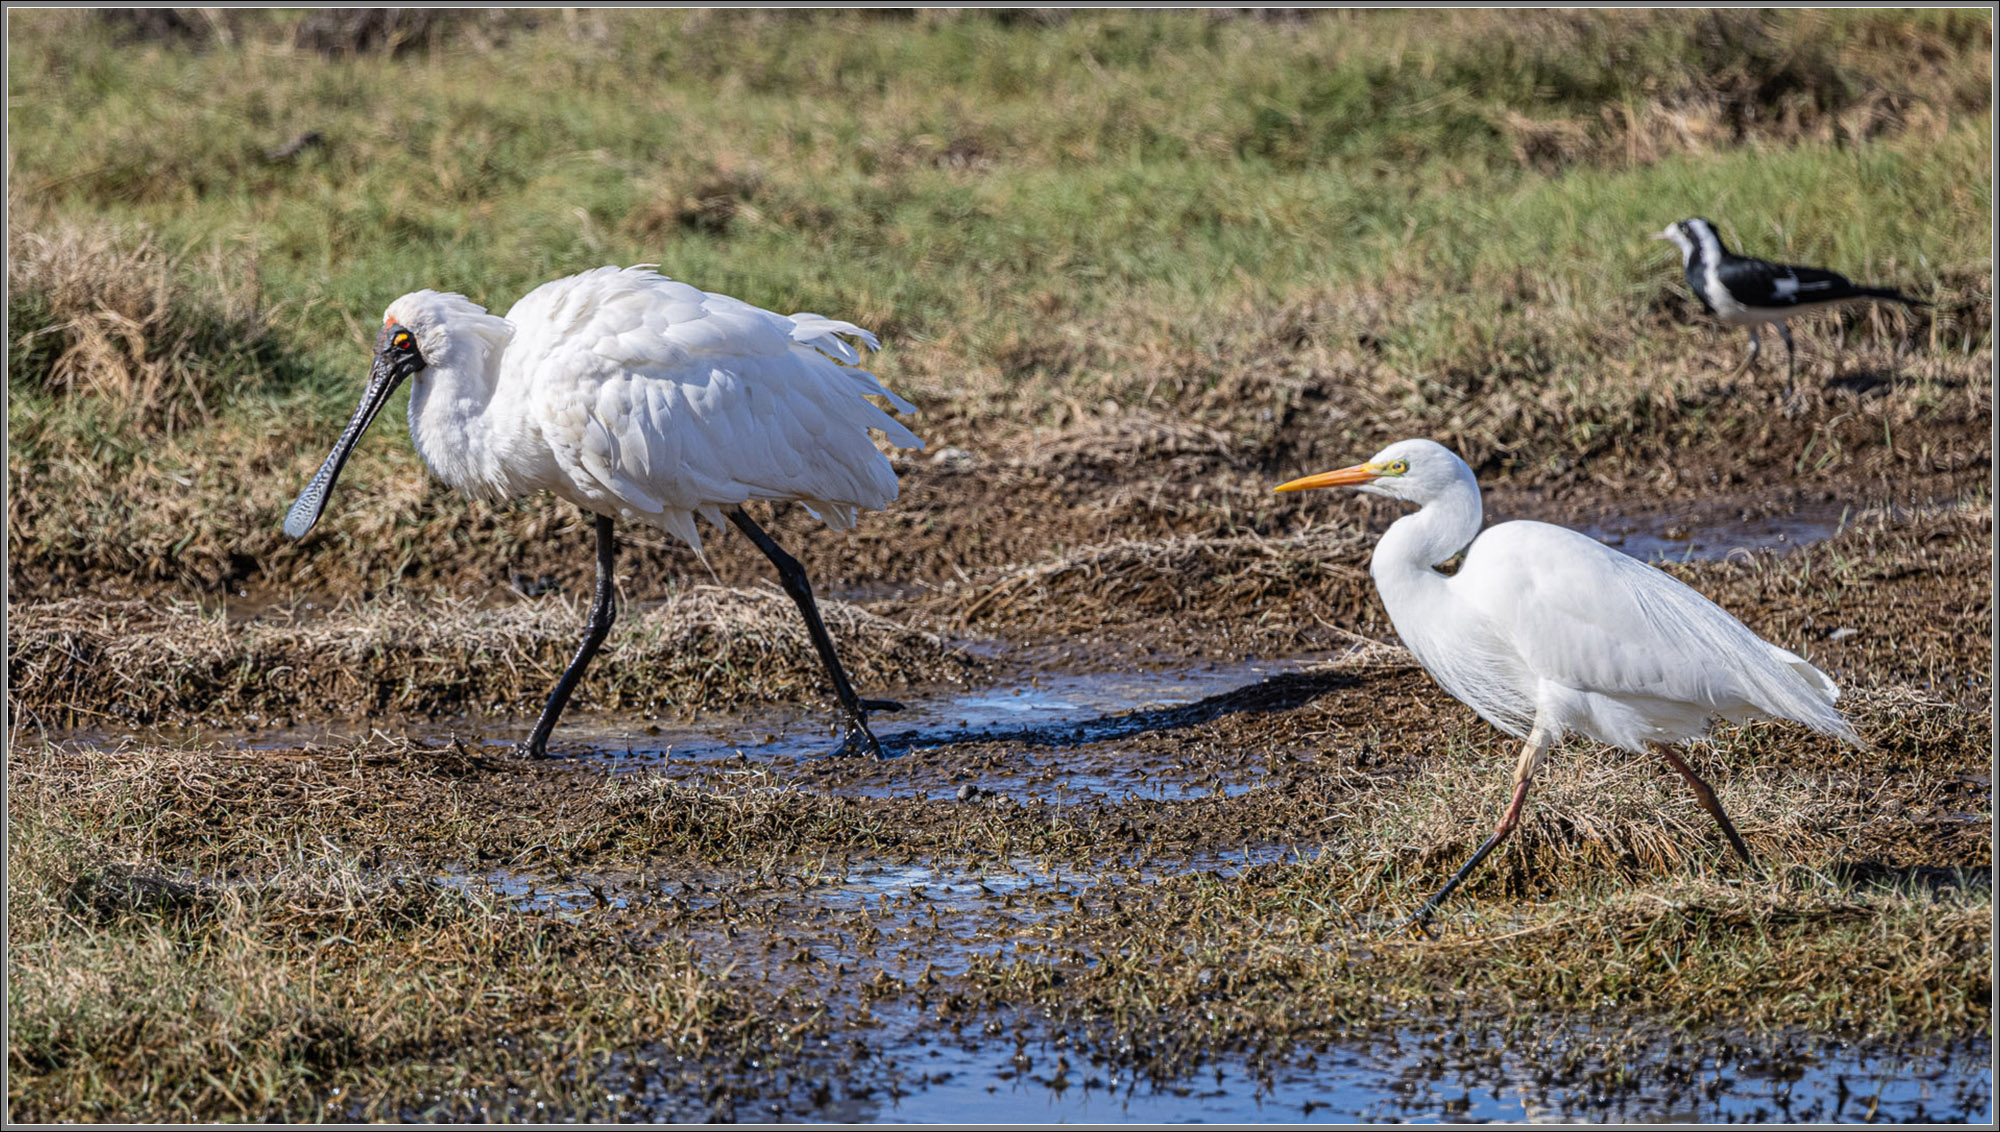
{"x":83,"y":663}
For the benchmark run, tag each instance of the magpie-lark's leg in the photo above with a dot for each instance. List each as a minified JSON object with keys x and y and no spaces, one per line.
{"x":1756,"y":347}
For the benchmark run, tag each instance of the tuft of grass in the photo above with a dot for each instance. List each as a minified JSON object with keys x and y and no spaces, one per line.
{"x":90,"y":662}
{"x":111,"y":318}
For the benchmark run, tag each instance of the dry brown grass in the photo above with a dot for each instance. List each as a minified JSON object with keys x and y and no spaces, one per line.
{"x":83,"y":662}
{"x":301,"y":983}
{"x":1131,"y":580}
{"x":109,"y":314}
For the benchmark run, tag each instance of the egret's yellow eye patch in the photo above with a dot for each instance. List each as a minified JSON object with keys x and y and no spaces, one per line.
{"x":1395,"y":467}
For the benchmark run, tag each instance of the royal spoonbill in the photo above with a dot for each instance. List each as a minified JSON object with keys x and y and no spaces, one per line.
{"x":1742,"y":291}
{"x":1544,"y":631}
{"x":639,"y":398}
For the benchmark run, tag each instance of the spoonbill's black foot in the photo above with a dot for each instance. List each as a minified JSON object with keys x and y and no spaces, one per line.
{"x":859,"y":742}
{"x":881,"y":705}
{"x":528,"y":750}
{"x":1420,"y":920}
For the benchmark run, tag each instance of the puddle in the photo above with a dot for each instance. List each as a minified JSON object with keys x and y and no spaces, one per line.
{"x":842,"y":937}
{"x":1059,"y":738}
{"x":1044,"y":725}
{"x":1479,"y":1077}
{"x":1656,"y":538}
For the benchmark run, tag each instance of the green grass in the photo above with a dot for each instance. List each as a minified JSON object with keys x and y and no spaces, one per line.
{"x":1194,"y":216}
{"x":1117,"y":156}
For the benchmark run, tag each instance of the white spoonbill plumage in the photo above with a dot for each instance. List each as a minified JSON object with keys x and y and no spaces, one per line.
{"x":1544,"y":631}
{"x":640,"y":398}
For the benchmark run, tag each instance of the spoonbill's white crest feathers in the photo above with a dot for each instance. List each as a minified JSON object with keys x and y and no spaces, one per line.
{"x":641,"y":398}
{"x":1544,"y":631}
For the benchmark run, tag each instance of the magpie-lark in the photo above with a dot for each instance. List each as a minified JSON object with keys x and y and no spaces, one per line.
{"x":1742,"y":291}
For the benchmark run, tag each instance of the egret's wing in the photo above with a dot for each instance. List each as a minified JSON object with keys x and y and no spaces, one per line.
{"x":1589,"y":618}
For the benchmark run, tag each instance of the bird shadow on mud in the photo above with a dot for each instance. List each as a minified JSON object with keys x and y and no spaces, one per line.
{"x":1936,"y":880}
{"x":1284,"y":692}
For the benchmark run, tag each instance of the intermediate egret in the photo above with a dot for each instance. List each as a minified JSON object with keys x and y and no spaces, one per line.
{"x":639,"y":398}
{"x":1544,"y":631}
{"x":1742,"y":291}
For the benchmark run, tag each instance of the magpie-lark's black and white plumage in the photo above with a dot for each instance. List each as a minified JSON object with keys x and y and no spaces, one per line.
{"x":1747,"y":292}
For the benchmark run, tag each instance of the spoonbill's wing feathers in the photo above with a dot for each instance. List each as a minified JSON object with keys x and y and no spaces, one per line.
{"x":1655,"y":658}
{"x":670,"y":401}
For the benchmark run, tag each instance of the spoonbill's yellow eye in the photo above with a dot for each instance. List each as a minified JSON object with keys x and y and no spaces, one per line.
{"x":402,"y":340}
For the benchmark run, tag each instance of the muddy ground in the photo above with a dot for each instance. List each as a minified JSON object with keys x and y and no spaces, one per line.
{"x":1163,"y":786}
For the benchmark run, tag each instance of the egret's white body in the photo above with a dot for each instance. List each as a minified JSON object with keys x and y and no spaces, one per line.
{"x":1544,"y":631}
{"x":636,"y":397}
{"x":1544,"y":626}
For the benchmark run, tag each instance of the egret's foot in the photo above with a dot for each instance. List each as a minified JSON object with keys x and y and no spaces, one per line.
{"x":881,"y":705}
{"x":528,"y":749}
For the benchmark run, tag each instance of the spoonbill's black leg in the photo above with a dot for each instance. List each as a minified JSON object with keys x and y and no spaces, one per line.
{"x":859,"y":739}
{"x":603,"y":610}
{"x":1706,"y":797}
{"x":1524,"y":773}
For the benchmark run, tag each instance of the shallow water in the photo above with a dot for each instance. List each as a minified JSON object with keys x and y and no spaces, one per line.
{"x":1480,"y":1079}
{"x":901,"y":1065}
{"x":1658,"y":538}
{"x":1065,"y":737}
{"x":1044,"y":720}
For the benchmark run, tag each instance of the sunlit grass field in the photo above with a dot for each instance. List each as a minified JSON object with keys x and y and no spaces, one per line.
{"x":1443,"y":217}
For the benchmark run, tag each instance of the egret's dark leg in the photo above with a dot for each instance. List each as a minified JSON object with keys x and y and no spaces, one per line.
{"x":1706,"y":797}
{"x":1524,"y":773}
{"x":603,"y":610}
{"x":859,"y":739}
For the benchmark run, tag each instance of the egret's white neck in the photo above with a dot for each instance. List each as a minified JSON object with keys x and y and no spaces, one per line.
{"x":462,"y":419}
{"x":1404,"y":561}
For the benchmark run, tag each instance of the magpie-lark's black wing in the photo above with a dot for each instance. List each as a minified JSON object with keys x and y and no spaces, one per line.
{"x":1761,"y":283}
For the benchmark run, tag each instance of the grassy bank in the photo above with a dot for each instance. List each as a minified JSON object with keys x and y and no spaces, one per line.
{"x":1330,"y":232}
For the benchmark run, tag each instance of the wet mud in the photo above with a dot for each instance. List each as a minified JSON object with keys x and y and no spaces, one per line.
{"x":1146,"y":819}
